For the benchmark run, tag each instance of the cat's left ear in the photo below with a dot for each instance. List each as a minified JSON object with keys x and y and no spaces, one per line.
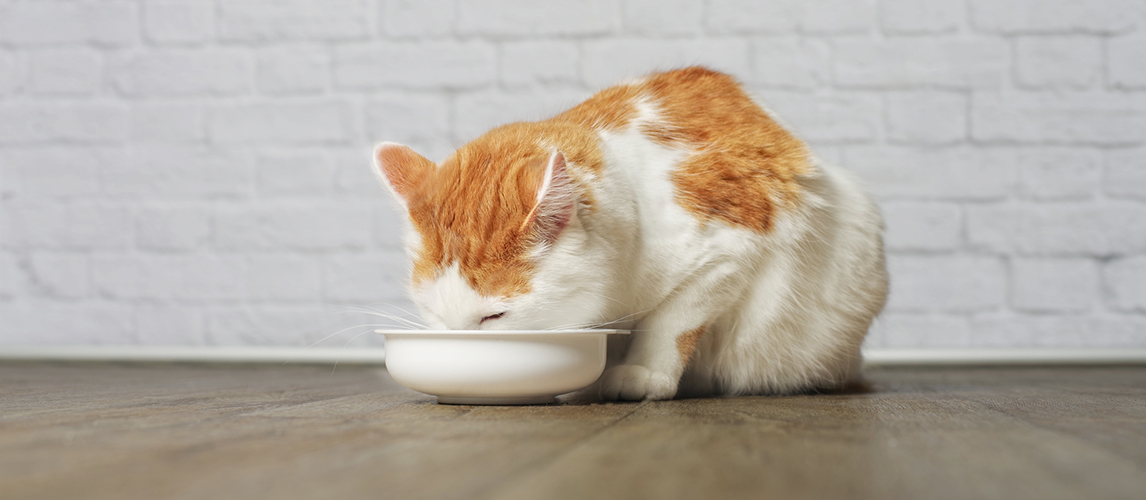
{"x":556,"y":201}
{"x":401,"y":169}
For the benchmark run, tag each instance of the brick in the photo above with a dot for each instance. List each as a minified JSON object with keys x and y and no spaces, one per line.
{"x":167,"y":277}
{"x":354,"y":173}
{"x":274,"y":325}
{"x":296,"y":225}
{"x":106,"y":23}
{"x":46,"y":322}
{"x":259,"y":20}
{"x":1125,"y":175}
{"x":922,"y":226}
{"x":295,"y":122}
{"x":1053,"y":285}
{"x":180,"y":172}
{"x":926,"y":117}
{"x":277,"y":277}
{"x":72,"y":71}
{"x":526,"y":18}
{"x":605,"y":62}
{"x":837,"y":16}
{"x":663,"y":18}
{"x":52,"y":225}
{"x":790,"y":63}
{"x":844,"y":117}
{"x":419,"y":121}
{"x":1060,"y":119}
{"x":390,"y":221}
{"x":165,"y":122}
{"x":950,"y":63}
{"x":1117,"y":331}
{"x":735,"y":17}
{"x":1058,"y":62}
{"x":917,"y":17}
{"x":378,"y":277}
{"x":926,"y":173}
{"x":294,"y":69}
{"x":58,"y":275}
{"x":293,"y":173}
{"x":1124,"y":61}
{"x":172,"y":228}
{"x":178,"y":22}
{"x":1125,"y":281}
{"x":58,"y":172}
{"x":415,"y":65}
{"x":1011,"y":330}
{"x":183,"y":72}
{"x":791,"y":16}
{"x":9,"y":73}
{"x":941,"y":283}
{"x":906,"y":330}
{"x":418,"y":18}
{"x":163,"y":324}
{"x":54,"y":123}
{"x":10,"y":277}
{"x":1051,"y":173}
{"x":539,"y":62}
{"x":1059,"y":229}
{"x":1064,"y":16}
{"x":476,"y":113}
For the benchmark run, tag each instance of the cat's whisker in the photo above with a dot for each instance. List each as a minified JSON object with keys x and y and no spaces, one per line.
{"x":336,"y":360}
{"x":406,"y":311}
{"x":382,"y":309}
{"x":319,"y":341}
{"x":408,"y":314}
{"x":406,"y":322}
{"x":603,"y":296}
{"x":391,"y":316}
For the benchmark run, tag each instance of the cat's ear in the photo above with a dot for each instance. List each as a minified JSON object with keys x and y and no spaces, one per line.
{"x":400,"y":169}
{"x":556,"y":201}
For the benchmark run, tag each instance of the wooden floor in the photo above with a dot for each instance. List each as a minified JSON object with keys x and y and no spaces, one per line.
{"x":90,"y":431}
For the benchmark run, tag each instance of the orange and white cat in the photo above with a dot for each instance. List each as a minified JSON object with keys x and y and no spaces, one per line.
{"x":672,"y":205}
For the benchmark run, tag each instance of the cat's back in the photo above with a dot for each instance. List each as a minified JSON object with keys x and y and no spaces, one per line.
{"x":733,"y":162}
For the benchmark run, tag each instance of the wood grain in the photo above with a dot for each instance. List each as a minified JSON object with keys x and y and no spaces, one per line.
{"x":76,"y":430}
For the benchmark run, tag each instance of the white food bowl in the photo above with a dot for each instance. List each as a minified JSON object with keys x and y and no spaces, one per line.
{"x":491,"y":367}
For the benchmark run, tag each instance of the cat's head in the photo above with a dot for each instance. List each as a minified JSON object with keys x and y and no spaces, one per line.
{"x":496,"y":236}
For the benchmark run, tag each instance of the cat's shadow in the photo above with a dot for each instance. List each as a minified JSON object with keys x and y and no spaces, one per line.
{"x":586,"y":397}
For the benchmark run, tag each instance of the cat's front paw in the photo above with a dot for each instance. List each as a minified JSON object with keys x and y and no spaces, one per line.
{"x":635,"y":382}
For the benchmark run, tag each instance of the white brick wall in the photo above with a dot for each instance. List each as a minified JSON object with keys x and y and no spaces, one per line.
{"x":193,"y":172}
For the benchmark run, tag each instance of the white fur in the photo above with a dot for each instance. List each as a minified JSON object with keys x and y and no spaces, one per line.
{"x":785,"y":311}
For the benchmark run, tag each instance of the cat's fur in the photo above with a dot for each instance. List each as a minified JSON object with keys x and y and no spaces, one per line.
{"x":672,"y":205}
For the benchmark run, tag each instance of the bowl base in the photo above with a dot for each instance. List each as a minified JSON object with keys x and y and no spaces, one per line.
{"x":529,"y":400}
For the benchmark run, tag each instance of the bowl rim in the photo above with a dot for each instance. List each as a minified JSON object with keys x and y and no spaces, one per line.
{"x":502,"y":332}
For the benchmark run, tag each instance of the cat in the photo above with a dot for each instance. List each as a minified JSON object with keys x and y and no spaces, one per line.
{"x":673,"y":205}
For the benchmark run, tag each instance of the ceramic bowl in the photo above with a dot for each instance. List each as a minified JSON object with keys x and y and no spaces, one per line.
{"x":491,"y":367}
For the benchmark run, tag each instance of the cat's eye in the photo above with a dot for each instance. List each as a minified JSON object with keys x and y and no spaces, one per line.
{"x":493,"y":316}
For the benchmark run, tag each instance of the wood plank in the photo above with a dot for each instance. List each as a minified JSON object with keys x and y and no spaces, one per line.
{"x":224,"y":431}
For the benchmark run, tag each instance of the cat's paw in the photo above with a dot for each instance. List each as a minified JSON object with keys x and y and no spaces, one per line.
{"x":635,"y":382}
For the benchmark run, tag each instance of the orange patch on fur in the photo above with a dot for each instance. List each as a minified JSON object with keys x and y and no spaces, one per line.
{"x":686,"y":344}
{"x":609,"y":109}
{"x":473,"y":208}
{"x":743,"y":164}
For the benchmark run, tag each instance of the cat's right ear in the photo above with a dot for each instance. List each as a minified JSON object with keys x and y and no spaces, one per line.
{"x":400,"y":169}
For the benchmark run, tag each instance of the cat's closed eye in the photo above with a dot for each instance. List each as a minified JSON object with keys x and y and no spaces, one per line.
{"x":493,"y":317}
